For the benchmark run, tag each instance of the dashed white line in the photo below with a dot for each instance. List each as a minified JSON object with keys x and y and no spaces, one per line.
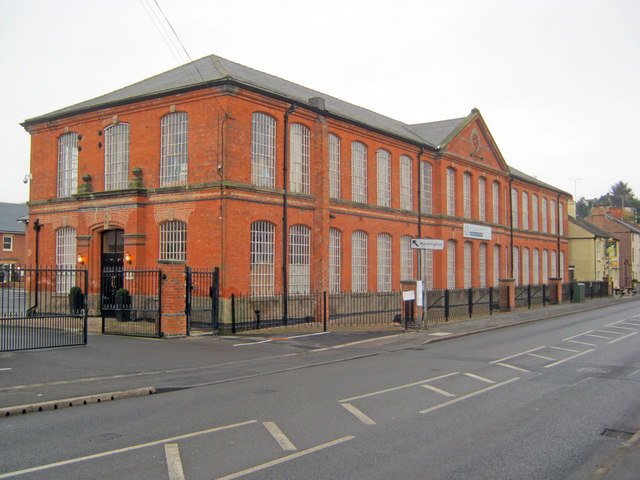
{"x":598,"y":336}
{"x":582,"y":343}
{"x":280,"y":437}
{"x":513,"y":367}
{"x":473,"y":394}
{"x":358,"y":414}
{"x":568,"y":358}
{"x":576,"y":336}
{"x":518,"y":354}
{"x":263,"y":466}
{"x":623,"y":337}
{"x":4,"y":369}
{"x":609,"y":331}
{"x":478,"y":377}
{"x":540,"y":356}
{"x":566,"y":349}
{"x":438,"y":390}
{"x":174,"y":463}
{"x":308,"y":335}
{"x":386,"y":390}
{"x":252,"y":343}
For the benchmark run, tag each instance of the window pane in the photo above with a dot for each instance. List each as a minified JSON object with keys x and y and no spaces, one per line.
{"x":482,"y":264}
{"x":451,"y":264}
{"x":451,"y":192}
{"x":67,"y":165}
{"x":467,"y":265}
{"x":262,"y":258}
{"x":174,"y":150}
{"x":299,"y":259}
{"x":406,"y":258}
{"x":406,"y":183}
{"x":426,"y":192}
{"x":482,"y":198}
{"x":358,"y":172}
{"x":466,"y":193}
{"x":65,"y":258}
{"x":384,"y":178}
{"x":263,"y":150}
{"x":116,"y":156}
{"x":334,"y":166}
{"x":173,"y":240}
{"x":335,"y":260}
{"x":300,"y":159}
{"x":384,"y":262}
{"x":359,"y":261}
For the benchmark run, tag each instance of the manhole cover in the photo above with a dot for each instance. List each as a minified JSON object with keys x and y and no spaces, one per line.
{"x":619,"y":434}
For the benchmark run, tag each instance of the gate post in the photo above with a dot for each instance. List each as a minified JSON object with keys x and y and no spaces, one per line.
{"x":507,"y":294}
{"x":174,"y":319}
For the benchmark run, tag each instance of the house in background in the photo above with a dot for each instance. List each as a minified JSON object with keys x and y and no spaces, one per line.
{"x":12,"y":234}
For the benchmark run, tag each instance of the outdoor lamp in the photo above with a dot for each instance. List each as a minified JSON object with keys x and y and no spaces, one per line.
{"x":80,"y":259}
{"x":128,"y":257}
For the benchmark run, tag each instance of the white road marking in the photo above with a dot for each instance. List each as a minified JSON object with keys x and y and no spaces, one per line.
{"x":280,"y":437}
{"x":540,"y":356}
{"x":622,"y":338}
{"x":357,"y":342}
{"x":174,"y":464}
{"x":309,"y":335}
{"x":622,"y":328}
{"x":518,"y":354}
{"x":598,"y":336}
{"x":293,"y":456}
{"x":582,"y":343}
{"x":4,"y":369}
{"x":576,"y":336}
{"x":438,"y":390}
{"x":358,"y":414}
{"x":473,"y":394}
{"x":478,"y":377}
{"x":566,"y":349}
{"x":398,"y":388}
{"x":609,"y":331}
{"x":440,"y":334}
{"x":637,"y":315}
{"x":123,"y":450}
{"x":252,"y":343}
{"x":513,"y":367}
{"x":569,"y":358}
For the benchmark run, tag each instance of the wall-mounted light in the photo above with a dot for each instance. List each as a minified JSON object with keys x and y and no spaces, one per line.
{"x":80,"y":259}
{"x":128,"y":257}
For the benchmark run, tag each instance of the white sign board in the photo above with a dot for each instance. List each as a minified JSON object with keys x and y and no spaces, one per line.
{"x":427,"y":243}
{"x":408,"y":295}
{"x":479,"y":232}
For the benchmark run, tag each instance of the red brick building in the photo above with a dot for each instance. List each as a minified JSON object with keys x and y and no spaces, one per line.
{"x":214,"y":164}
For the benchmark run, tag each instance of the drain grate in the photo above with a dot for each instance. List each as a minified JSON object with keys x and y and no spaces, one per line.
{"x":619,"y":434}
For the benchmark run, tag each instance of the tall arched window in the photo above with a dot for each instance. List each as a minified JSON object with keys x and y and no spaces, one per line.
{"x":451,"y":264}
{"x":496,"y":202}
{"x":300,"y":159}
{"x":335,"y":260}
{"x":543,"y":208}
{"x":468,"y":266}
{"x":451,"y":192}
{"x":545,"y":266}
{"x":496,"y":265}
{"x":406,"y":183}
{"x":552,"y":217}
{"x":516,"y":265}
{"x":482,"y":198}
{"x":116,"y":156}
{"x":174,"y":153}
{"x":560,"y":218}
{"x":67,"y":165}
{"x":65,"y":258}
{"x":263,"y":150}
{"x":406,"y":258}
{"x":525,"y":266}
{"x":299,"y":259}
{"x":359,"y":261}
{"x":536,"y":266}
{"x":384,"y":178}
{"x":482,"y":264}
{"x":554,"y":263}
{"x":262,"y":258}
{"x":173,"y":240}
{"x":525,"y":210}
{"x":514,"y":207}
{"x":534,"y":213}
{"x":384,"y":262}
{"x":466,"y":194}
{"x":334,"y":166}
{"x":358,"y":172}
{"x":426,"y":188}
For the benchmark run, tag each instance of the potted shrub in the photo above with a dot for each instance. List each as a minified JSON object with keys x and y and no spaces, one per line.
{"x":76,"y":300}
{"x":123,"y":305}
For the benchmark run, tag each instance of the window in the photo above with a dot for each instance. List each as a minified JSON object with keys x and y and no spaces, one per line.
{"x":299,"y":259}
{"x":496,"y":265}
{"x":525,"y":210}
{"x":468,"y":267}
{"x":554,"y":263}
{"x":384,"y":178}
{"x":262,"y":258}
{"x":359,"y":261}
{"x":496,"y":202}
{"x":545,"y":266}
{"x":482,"y":199}
{"x":335,"y":260}
{"x":482,"y":264}
{"x":428,"y":266}
{"x":406,"y":258}
{"x":561,"y":266}
{"x":560,"y":219}
{"x":534,"y":213}
{"x":384,"y":262}
{"x":466,"y":193}
{"x":451,"y":191}
{"x":544,"y":216}
{"x":334,"y":166}
{"x":514,"y":208}
{"x":516,"y":265}
{"x":451,"y":264}
{"x":174,"y":158}
{"x":65,"y":258}
{"x":299,"y":149}
{"x":67,"y":165}
{"x":116,"y":156}
{"x":173,"y":241}
{"x":7,"y":243}
{"x":426,"y":188}
{"x":525,"y":266}
{"x":406,"y":183}
{"x":263,"y":150}
{"x":536,"y":266}
{"x":552,"y":217}
{"x":358,"y":172}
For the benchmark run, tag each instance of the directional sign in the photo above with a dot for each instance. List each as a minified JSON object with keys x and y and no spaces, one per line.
{"x":427,"y":243}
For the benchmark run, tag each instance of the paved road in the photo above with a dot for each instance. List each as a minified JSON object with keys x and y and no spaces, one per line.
{"x":525,"y":402}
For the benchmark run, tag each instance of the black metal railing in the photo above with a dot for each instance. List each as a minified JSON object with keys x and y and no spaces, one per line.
{"x":43,"y":308}
{"x":201,"y":299}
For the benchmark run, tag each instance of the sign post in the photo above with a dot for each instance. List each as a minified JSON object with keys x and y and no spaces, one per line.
{"x":424,"y":244}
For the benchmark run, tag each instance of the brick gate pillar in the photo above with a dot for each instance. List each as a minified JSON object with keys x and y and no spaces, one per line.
{"x":507,"y":294}
{"x":555,"y":295}
{"x":174,"y":320}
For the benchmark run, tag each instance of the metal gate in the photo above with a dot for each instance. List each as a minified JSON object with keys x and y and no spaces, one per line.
{"x":43,"y":308}
{"x":131,"y":302}
{"x":201,"y":306}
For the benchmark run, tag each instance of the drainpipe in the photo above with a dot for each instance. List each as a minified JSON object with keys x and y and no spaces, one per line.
{"x":285,"y":225}
{"x":558,"y":220}
{"x":511,"y":224}
{"x":420,"y":194}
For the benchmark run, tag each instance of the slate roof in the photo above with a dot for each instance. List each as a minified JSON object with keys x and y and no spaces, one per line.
{"x":528,"y":178}
{"x":627,"y":225}
{"x":9,"y":215}
{"x":589,"y":227}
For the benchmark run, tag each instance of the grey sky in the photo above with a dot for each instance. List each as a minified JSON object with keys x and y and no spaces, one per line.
{"x":556,"y":81}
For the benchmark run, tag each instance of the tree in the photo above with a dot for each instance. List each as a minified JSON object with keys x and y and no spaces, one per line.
{"x":583,"y":208}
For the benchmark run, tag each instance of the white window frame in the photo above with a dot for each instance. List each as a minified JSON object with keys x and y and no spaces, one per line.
{"x":451,"y":192}
{"x":173,"y":241}
{"x":406,"y":258}
{"x":525,"y":266}
{"x":554,"y":264}
{"x":482,"y":199}
{"x":262,"y":261}
{"x":482,"y":265}
{"x":516,"y":265}
{"x":514,"y":208}
{"x":263,"y":150}
{"x":560,"y":218}
{"x":335,"y":260}
{"x":466,"y":194}
{"x":116,"y":156}
{"x":7,"y":240}
{"x":384,"y":177}
{"x":334,"y":166}
{"x":545,"y":266}
{"x":384,"y":262}
{"x":300,"y":158}
{"x":525,"y":210}
{"x":534,"y":213}
{"x":406,"y":182}
{"x":67,"y":165}
{"x":562,"y":265}
{"x":552,"y":217}
{"x":451,"y":264}
{"x":496,"y":202}
{"x":426,"y":188}
{"x":468,"y":265}
{"x":359,"y":172}
{"x":299,"y":259}
{"x":543,"y":207}
{"x":359,"y":261}
{"x":174,"y":149}
{"x":496,"y":265}
{"x":536,"y":266}
{"x":65,"y":259}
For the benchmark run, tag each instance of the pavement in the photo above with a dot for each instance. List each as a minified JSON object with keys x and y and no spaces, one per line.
{"x":114,"y":367}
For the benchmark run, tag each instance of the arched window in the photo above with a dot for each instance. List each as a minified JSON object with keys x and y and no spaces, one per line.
{"x":525,"y":210}
{"x":263,"y":150}
{"x":482,"y":264}
{"x":406,"y":258}
{"x":65,"y":258}
{"x":466,"y":194}
{"x":173,"y":240}
{"x":552,"y":217}
{"x":426,"y":188}
{"x":406,"y":183}
{"x":525,"y":266}
{"x":334,"y":166}
{"x":560,"y":218}
{"x":536,"y":266}
{"x":299,"y":259}
{"x":516,"y":265}
{"x":358,"y":172}
{"x":496,"y":202}
{"x":384,"y":178}
{"x":545,"y":266}
{"x":116,"y":156}
{"x":554,"y":263}
{"x":468,"y":265}
{"x":514,"y":207}
{"x":482,"y":198}
{"x":384,"y":262}
{"x":496,"y":265}
{"x":174,"y":156}
{"x":534,"y":213}
{"x":544,"y":225}
{"x":300,"y":158}
{"x":335,"y":260}
{"x":359,"y":261}
{"x":451,"y":264}
{"x":262,"y":258}
{"x":67,"y":165}
{"x":451,"y":192}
